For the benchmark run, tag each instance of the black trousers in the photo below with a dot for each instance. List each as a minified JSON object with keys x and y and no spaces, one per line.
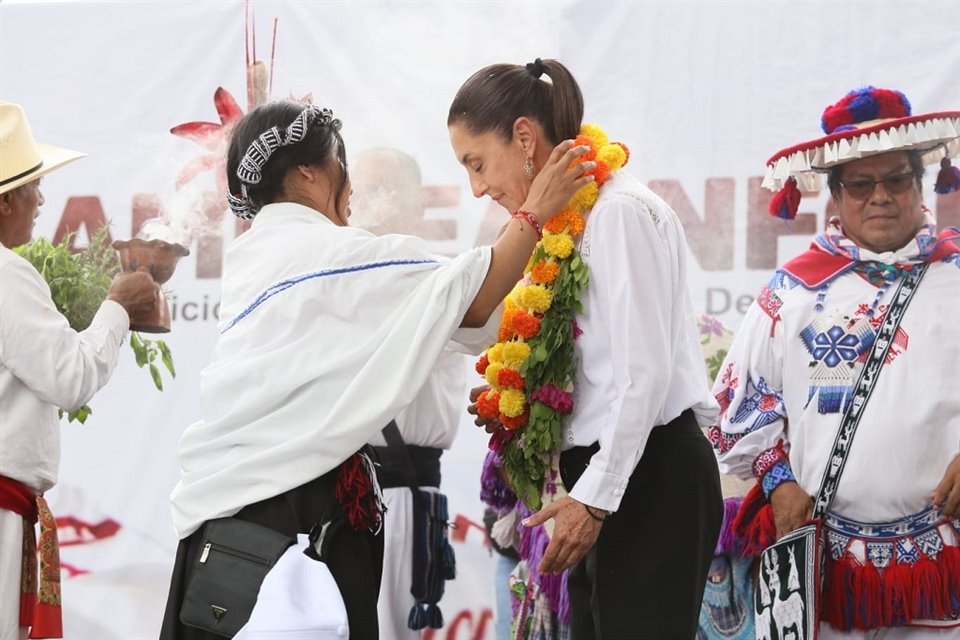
{"x":355,"y":558}
{"x":645,"y":576}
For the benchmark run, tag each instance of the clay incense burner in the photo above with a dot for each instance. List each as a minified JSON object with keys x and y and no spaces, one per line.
{"x":159,"y":259}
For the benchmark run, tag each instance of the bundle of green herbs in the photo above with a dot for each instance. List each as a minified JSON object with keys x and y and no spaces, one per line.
{"x":79,"y":283}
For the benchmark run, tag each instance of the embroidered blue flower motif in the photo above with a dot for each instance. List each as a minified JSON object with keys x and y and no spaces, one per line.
{"x":834,"y":346}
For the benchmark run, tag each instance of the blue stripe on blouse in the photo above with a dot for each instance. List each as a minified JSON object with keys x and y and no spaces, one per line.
{"x":283,"y":285}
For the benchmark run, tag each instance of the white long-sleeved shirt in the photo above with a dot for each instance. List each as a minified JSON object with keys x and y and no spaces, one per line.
{"x":792,"y":368}
{"x":45,"y":365}
{"x":640,"y":359}
{"x":327,"y":332}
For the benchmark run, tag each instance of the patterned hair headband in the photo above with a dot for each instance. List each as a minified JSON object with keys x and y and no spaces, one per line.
{"x":250,"y":169}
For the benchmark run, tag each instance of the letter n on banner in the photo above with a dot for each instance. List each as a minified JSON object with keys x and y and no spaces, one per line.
{"x":710,"y":239}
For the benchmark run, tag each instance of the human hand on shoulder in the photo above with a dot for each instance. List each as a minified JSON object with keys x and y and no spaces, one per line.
{"x":557,"y":181}
{"x":136,"y":292}
{"x":947,"y":493}
{"x":792,"y":506}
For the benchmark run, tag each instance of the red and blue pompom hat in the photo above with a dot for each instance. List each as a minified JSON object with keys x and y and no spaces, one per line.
{"x":865,"y":122}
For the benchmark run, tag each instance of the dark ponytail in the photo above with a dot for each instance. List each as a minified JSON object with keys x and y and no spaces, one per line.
{"x":495,"y":96}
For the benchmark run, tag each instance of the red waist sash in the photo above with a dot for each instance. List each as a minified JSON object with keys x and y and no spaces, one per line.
{"x":39,"y":603}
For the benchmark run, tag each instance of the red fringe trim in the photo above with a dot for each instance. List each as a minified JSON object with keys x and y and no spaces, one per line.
{"x":950,"y":563}
{"x":857,"y":596}
{"x":754,"y":523}
{"x":356,"y":495}
{"x":868,"y":592}
{"x":896,"y":595}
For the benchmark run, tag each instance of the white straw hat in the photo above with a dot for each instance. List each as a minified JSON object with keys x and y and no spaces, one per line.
{"x":22,"y":158}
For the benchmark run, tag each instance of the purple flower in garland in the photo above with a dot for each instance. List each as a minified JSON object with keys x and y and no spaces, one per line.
{"x":494,"y":491}
{"x":554,"y":397}
{"x":577,"y":331}
{"x":709,"y":324}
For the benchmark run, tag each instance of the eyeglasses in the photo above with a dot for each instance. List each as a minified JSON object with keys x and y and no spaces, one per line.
{"x":894,"y":185}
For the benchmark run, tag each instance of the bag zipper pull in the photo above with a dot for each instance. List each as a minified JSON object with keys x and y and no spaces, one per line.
{"x":205,"y":553}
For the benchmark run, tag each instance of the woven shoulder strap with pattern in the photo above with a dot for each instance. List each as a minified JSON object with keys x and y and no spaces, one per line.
{"x":864,"y":388}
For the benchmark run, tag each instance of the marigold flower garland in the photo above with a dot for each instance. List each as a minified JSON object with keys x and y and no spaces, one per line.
{"x":532,"y":366}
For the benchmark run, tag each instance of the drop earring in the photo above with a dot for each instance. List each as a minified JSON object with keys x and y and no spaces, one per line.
{"x":528,"y":168}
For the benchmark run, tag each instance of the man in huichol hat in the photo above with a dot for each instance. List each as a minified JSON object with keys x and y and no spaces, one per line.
{"x":44,"y":366}
{"x":892,"y":557}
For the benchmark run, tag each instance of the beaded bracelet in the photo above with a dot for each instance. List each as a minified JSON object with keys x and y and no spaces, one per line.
{"x":529,"y":217}
{"x":592,"y":514}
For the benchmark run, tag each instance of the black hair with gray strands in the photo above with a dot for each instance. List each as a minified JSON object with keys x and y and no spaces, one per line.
{"x":322,"y":146}
{"x":495,"y":96}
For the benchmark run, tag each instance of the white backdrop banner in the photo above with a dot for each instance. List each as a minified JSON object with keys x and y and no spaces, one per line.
{"x":701,"y":92}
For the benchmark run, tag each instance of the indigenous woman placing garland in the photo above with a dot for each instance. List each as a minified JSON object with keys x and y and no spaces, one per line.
{"x":326,"y":332}
{"x":597,"y":364}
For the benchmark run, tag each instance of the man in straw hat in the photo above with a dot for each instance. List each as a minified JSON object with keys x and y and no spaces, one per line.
{"x":44,"y":365}
{"x":893,"y":528}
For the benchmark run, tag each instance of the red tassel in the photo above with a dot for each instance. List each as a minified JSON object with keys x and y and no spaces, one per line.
{"x":786,"y":202}
{"x":949,"y":563}
{"x":927,"y":601}
{"x":948,"y":179}
{"x":754,"y":523}
{"x":835,"y":603}
{"x":897,"y":590}
{"x":867,"y":597}
{"x":355,"y":493}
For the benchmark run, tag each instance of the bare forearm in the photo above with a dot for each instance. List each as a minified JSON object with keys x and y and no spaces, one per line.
{"x":510,"y":254}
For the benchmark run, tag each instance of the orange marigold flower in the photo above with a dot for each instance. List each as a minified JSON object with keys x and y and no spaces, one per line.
{"x":525,"y":325}
{"x":506,"y":331}
{"x":544,"y":272}
{"x":567,"y":221}
{"x":557,"y":224}
{"x":575,"y":224}
{"x":482,"y":364}
{"x":510,"y":379}
{"x":512,"y":424}
{"x":488,"y":404}
{"x":584,"y":141}
{"x":601,"y":173}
